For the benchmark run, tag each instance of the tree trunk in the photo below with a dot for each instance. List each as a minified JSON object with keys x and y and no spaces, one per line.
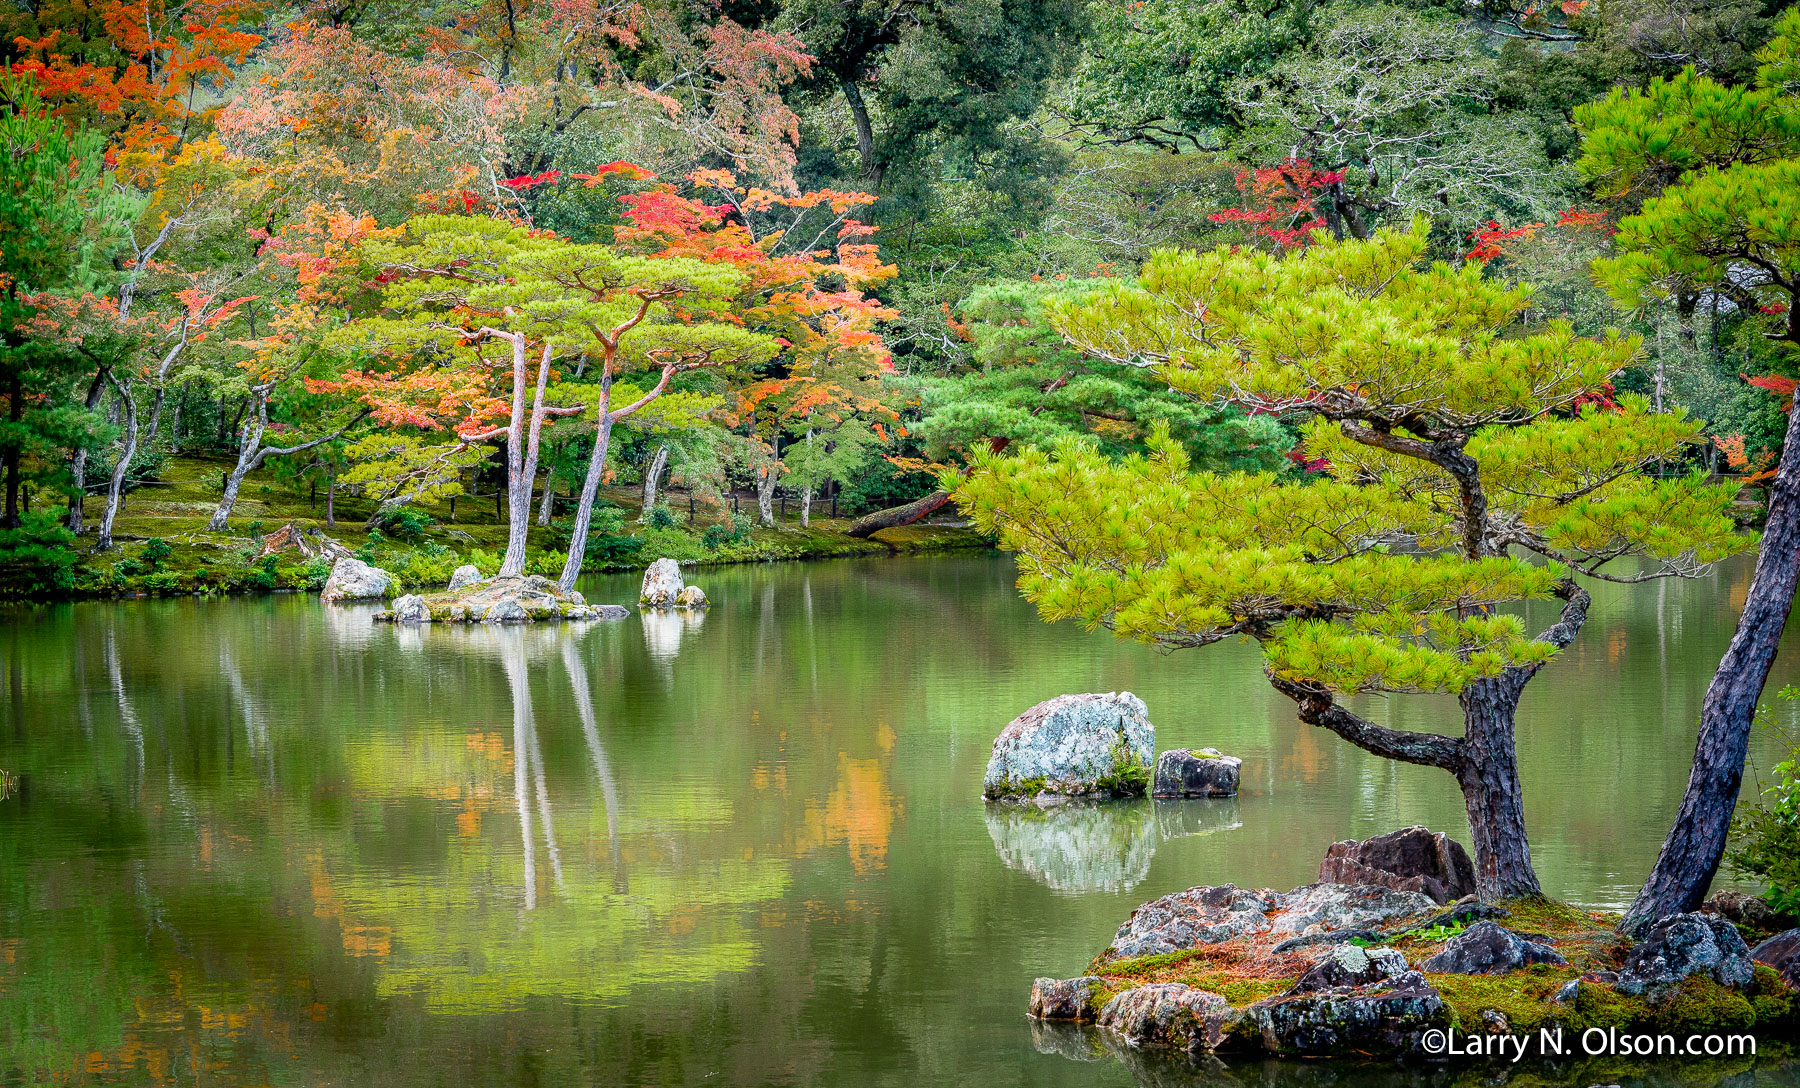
{"x":521,"y":460}
{"x":15,"y":395}
{"x":765,"y":494}
{"x":78,"y":463}
{"x":1691,"y":854}
{"x":546,"y":508}
{"x":892,"y":518}
{"x":590,"y":486}
{"x":651,"y":476}
{"x":331,"y":500}
{"x":806,"y":496}
{"x":1489,"y":777}
{"x":872,"y":168}
{"x":117,"y":485}
{"x":252,"y":453}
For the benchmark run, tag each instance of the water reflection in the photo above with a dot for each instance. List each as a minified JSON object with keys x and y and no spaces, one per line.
{"x":663,"y":631}
{"x":1089,"y":846}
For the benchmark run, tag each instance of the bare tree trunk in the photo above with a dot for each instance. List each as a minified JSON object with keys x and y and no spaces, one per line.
{"x":872,"y":167}
{"x":651,"y":476}
{"x":765,"y":493}
{"x":546,"y":508}
{"x":331,"y":500}
{"x":521,"y":458}
{"x":1696,"y":844}
{"x":869,"y":524}
{"x":590,"y":487}
{"x":252,"y":453}
{"x":116,"y":486}
{"x":806,"y":496}
{"x":78,"y":463}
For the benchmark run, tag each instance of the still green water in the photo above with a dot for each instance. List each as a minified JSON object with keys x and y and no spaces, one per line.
{"x":264,"y":842}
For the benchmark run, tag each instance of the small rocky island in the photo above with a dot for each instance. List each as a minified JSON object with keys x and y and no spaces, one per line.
{"x":1369,"y":968}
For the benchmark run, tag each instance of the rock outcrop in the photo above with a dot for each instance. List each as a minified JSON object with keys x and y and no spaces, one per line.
{"x":691,"y":597}
{"x":1413,"y":859}
{"x":1170,"y":1014}
{"x":662,"y":584}
{"x":1682,"y":945}
{"x":354,"y":580}
{"x":1213,"y":915}
{"x":1386,"y":1016}
{"x":411,"y":609}
{"x":1489,"y":948}
{"x":1781,"y":952}
{"x":1074,"y":745}
{"x":1202,"y":772}
{"x":1348,"y":966}
{"x":465,"y":575}
{"x":1065,"y":998}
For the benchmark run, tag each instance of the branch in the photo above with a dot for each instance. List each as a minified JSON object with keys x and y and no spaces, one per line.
{"x":1315,"y":706}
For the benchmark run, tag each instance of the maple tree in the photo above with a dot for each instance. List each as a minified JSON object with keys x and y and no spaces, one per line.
{"x":1449,"y":436}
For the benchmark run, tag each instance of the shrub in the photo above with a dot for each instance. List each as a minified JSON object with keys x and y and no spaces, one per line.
{"x":671,"y":543}
{"x":1766,"y":834}
{"x":735,"y":530}
{"x":38,"y":555}
{"x":155,"y":550}
{"x":315,"y":573}
{"x":130,"y":568}
{"x":661,"y":517}
{"x":163,"y":581}
{"x":255,"y":528}
{"x":407,"y":523}
{"x":262,"y":575}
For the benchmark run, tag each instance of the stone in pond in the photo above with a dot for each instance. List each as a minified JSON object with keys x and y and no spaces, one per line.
{"x":411,"y":609}
{"x":465,"y":575}
{"x":1170,"y":1014}
{"x":1203,"y":772}
{"x":1413,"y":859}
{"x":691,"y":597}
{"x":354,"y":580}
{"x":1074,"y":745}
{"x":1381,"y":1017}
{"x":1065,"y":998}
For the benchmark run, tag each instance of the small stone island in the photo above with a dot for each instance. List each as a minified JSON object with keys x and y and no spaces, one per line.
{"x":530,"y":598}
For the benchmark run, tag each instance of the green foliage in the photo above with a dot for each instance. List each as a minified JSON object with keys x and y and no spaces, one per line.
{"x":1766,"y":835}
{"x":736,"y":530}
{"x":661,"y":516}
{"x":37,"y":556}
{"x":407,"y":523}
{"x":154,"y":551}
{"x":672,"y":542}
{"x":883,"y":485}
{"x":1396,"y":364}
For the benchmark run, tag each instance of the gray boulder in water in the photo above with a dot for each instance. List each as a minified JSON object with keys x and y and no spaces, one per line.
{"x":1216,"y":914}
{"x":1203,"y":772}
{"x":1170,"y":1014}
{"x":466,"y":575}
{"x":1064,"y":998}
{"x":1074,"y":745}
{"x":411,"y":609}
{"x":1383,"y":1016}
{"x":354,"y":580}
{"x":662,"y":584}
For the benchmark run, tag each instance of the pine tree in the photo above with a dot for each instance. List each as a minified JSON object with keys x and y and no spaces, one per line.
{"x":1470,"y":465}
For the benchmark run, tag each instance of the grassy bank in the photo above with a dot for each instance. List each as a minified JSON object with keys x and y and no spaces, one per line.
{"x":164,"y":548}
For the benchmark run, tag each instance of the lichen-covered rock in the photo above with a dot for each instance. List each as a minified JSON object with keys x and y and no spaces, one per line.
{"x":1170,"y":1014}
{"x":1349,"y":965}
{"x":1213,"y":915}
{"x":662,"y":584}
{"x":505,"y":610}
{"x":1074,"y":745}
{"x":1489,"y":948}
{"x":1381,"y":1017}
{"x":1413,"y":859}
{"x":1781,"y":952}
{"x":354,"y":580}
{"x":1080,"y":846}
{"x":1682,"y":945}
{"x":1745,"y":910}
{"x":411,"y":609}
{"x":691,"y":597}
{"x":1204,"y":772}
{"x":465,"y":575}
{"x":1064,"y":998}
{"x":609,"y":611}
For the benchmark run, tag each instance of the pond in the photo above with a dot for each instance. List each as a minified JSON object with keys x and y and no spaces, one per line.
{"x":258,"y":841}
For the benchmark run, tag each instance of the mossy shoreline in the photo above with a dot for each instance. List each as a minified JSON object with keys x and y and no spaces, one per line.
{"x":162,"y":548}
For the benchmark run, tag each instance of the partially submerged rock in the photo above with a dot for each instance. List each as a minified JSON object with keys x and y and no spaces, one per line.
{"x":1386,"y":1016}
{"x":1203,"y":772}
{"x":1682,"y":945}
{"x":527,"y":599}
{"x":354,"y":580}
{"x":691,"y":597}
{"x":1170,"y":1014}
{"x":1065,"y":998}
{"x":1413,"y":859}
{"x":1489,"y":948}
{"x":466,"y":575}
{"x":1781,"y":952}
{"x":662,"y":584}
{"x":1074,"y":745}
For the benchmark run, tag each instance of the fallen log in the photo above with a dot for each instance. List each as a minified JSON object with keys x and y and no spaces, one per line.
{"x":899,"y":515}
{"x":310,"y":543}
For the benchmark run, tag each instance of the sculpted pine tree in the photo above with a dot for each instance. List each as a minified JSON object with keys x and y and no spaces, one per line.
{"x":1471,"y":465}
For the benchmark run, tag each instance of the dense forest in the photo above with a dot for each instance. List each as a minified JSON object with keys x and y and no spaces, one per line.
{"x":807,"y":252}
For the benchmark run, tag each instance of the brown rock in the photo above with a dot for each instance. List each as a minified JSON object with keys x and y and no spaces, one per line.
{"x":1413,"y":859}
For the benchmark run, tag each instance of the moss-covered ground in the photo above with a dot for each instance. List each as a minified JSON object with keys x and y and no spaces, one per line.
{"x":174,"y":509}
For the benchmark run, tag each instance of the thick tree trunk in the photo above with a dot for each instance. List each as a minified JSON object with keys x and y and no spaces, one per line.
{"x":1691,"y":854}
{"x":765,"y":493}
{"x":1489,"y":777}
{"x":78,"y":463}
{"x":899,"y":515}
{"x":590,"y":486}
{"x":872,"y":167}
{"x":116,"y":486}
{"x":652,"y":475}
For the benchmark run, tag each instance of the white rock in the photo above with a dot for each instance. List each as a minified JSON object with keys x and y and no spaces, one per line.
{"x":354,"y":580}
{"x":467,"y":574}
{"x":411,"y":609}
{"x":691,"y":597}
{"x":662,"y":584}
{"x":1074,"y":744}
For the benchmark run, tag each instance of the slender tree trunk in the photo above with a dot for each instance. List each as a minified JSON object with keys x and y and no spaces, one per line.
{"x":78,"y":463}
{"x":590,"y":486}
{"x":547,"y":507}
{"x":652,"y":476}
{"x":1696,"y":844}
{"x":1489,"y":777}
{"x":870,"y":524}
{"x":252,"y":453}
{"x":521,"y":459}
{"x":865,"y":135}
{"x":15,"y":396}
{"x":765,"y":493}
{"x":806,"y":495}
{"x":331,"y":500}
{"x":116,"y":486}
